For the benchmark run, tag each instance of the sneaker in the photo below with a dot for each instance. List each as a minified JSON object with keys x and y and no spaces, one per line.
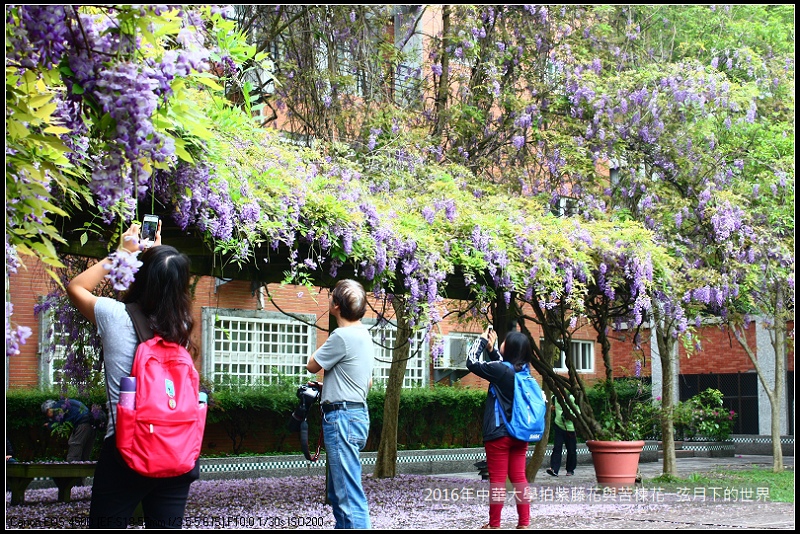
{"x":551,"y":472}
{"x":570,"y":473}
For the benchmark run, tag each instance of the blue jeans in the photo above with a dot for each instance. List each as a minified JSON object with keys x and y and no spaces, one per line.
{"x":345,"y":434}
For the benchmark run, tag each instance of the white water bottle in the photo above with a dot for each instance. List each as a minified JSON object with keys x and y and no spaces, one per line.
{"x":127,"y":392}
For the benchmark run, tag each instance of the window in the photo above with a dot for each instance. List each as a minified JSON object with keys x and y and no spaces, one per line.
{"x":566,"y":207}
{"x":582,"y":357}
{"x":384,"y":337}
{"x":456,"y":346}
{"x":554,"y":77}
{"x":52,"y":348}
{"x":408,"y":39}
{"x":53,"y":342}
{"x":244,"y":347}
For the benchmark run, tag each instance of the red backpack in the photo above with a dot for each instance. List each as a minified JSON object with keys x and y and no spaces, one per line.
{"x":163,"y":434}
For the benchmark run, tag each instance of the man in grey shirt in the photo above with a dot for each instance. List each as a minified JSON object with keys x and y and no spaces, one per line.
{"x":346,"y":357}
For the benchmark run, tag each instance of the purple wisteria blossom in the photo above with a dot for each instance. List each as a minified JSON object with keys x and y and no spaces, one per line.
{"x":15,"y":336}
{"x":122,"y":269}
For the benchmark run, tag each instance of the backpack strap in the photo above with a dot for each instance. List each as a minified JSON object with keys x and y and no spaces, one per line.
{"x":143,"y":333}
{"x":498,"y":408}
{"x":140,"y":324}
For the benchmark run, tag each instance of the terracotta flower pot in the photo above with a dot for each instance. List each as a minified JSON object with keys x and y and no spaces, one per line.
{"x":615,"y":462}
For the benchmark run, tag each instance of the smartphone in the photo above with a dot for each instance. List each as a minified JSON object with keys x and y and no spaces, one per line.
{"x":148,"y":230}
{"x":490,"y":328}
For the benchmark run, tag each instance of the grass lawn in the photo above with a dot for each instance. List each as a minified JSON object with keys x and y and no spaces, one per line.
{"x":780,"y":485}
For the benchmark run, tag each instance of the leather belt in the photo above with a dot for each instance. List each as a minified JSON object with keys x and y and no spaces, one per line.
{"x":331,"y":406}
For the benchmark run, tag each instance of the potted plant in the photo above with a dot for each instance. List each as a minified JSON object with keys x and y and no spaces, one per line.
{"x":618,"y":445}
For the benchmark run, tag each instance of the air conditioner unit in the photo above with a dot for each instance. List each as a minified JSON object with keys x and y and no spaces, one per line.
{"x":455,"y":352}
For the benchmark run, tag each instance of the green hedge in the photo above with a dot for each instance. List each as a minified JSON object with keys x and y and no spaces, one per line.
{"x":255,"y":421}
{"x":25,"y":424}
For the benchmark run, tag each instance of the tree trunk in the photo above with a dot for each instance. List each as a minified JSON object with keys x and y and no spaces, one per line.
{"x":444,"y":80}
{"x":537,"y":459}
{"x":535,"y":463}
{"x":386,"y":462}
{"x":776,"y":401}
{"x":774,"y":394}
{"x":666,"y":345}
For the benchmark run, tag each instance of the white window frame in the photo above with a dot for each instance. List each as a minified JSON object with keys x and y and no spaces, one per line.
{"x":52,"y":361}
{"x":408,"y":75}
{"x":249,"y":347}
{"x":383,"y":335}
{"x":567,"y":207}
{"x":456,"y":346}
{"x":582,"y":357}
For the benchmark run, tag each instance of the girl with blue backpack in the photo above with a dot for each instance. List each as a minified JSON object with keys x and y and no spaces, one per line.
{"x":505,"y":455}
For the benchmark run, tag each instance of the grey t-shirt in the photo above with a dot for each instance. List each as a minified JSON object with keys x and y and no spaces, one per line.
{"x":119,"y":346}
{"x":347,"y":356}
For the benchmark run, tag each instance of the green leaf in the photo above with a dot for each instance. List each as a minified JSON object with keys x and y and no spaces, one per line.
{"x":58,"y":130}
{"x":40,"y":100}
{"x":208,"y":82}
{"x":180,"y":150}
{"x":16,"y":130}
{"x":45,"y":112}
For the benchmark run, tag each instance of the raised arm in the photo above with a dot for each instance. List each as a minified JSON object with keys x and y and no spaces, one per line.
{"x":81,"y":288}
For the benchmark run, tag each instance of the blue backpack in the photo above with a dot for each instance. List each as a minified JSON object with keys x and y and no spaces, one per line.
{"x":528,"y":410}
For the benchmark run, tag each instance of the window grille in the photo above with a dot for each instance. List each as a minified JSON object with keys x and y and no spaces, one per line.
{"x":52,"y":350}
{"x":566,"y":207}
{"x":247,"y":348}
{"x":53,"y":342}
{"x":384,"y":337}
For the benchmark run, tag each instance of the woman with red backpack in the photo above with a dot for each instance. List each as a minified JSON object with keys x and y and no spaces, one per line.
{"x":161,"y":289}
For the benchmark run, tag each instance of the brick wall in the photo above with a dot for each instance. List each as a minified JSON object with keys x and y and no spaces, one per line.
{"x":24,"y":288}
{"x":719,"y":352}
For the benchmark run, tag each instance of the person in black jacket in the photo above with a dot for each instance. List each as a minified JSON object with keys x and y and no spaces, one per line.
{"x":505,"y":456}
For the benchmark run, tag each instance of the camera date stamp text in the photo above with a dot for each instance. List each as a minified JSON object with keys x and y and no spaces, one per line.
{"x":245,"y":521}
{"x":209,"y":521}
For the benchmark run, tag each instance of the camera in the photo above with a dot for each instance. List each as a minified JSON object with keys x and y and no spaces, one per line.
{"x":308,"y":395}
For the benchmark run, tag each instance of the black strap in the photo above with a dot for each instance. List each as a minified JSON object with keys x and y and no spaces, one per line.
{"x":304,"y":440}
{"x":140,"y":324}
{"x":143,"y":333}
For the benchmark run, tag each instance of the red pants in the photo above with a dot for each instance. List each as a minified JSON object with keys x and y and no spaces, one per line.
{"x":506,"y":458}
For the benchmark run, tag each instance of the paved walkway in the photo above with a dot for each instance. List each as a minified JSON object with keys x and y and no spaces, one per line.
{"x":575,"y":502}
